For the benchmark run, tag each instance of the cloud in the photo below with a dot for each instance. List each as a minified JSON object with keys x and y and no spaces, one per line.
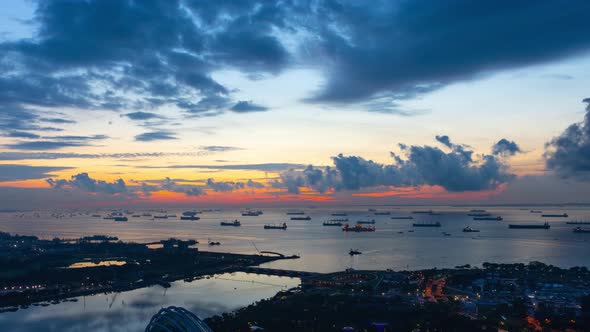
{"x":455,"y":171}
{"x":155,"y":136}
{"x":124,"y":155}
{"x":224,"y":186}
{"x":219,"y":148}
{"x":254,"y":184}
{"x":505,"y":147}
{"x":21,"y":134}
{"x":569,"y":153}
{"x":84,"y":182}
{"x":10,"y":172}
{"x":43,"y":145}
{"x":57,"y":120}
{"x":247,"y":106}
{"x":266,"y":167}
{"x":397,"y":48}
{"x":142,"y":115}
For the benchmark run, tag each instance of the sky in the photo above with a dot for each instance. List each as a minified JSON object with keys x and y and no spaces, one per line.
{"x":286,"y":103}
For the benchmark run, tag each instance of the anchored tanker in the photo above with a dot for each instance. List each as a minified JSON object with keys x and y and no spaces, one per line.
{"x":519,"y":226}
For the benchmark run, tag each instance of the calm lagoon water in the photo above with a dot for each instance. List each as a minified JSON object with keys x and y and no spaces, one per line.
{"x":132,"y":310}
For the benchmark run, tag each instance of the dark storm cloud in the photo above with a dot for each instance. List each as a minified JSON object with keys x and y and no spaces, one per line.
{"x":139,"y":115}
{"x":224,"y":186}
{"x":506,"y":148}
{"x":399,"y":48}
{"x":142,"y":55}
{"x":244,"y":106}
{"x":155,"y":136}
{"x":569,"y":153}
{"x":84,"y":182}
{"x":24,"y":172}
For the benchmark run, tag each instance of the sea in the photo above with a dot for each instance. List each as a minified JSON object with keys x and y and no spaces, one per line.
{"x":395,"y":244}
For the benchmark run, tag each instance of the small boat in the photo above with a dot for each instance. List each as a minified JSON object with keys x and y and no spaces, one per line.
{"x":283,"y":226}
{"x":426,"y":224}
{"x":214,"y":243}
{"x":136,"y":216}
{"x":402,"y":217}
{"x":520,"y":226}
{"x":498,"y":218}
{"x":470,"y":230}
{"x":96,"y":216}
{"x":366,"y":222}
{"x":563,"y":215}
{"x":354,"y":252}
{"x":581,"y":230}
{"x":536,"y":211}
{"x":120,"y":218}
{"x":446,"y":234}
{"x":235,"y":223}
{"x":332,"y":223}
{"x":146,"y":215}
{"x":193,"y":217}
{"x":301,"y":218}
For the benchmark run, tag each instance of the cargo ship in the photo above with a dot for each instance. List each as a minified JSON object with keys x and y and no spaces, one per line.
{"x":251,"y":213}
{"x":477,"y":211}
{"x":536,"y":211}
{"x":295,"y":213}
{"x":383,"y":213}
{"x":426,"y":224}
{"x":160,"y":217}
{"x":332,"y":223}
{"x":498,"y":218}
{"x":402,"y":217}
{"x":283,"y":226}
{"x":301,"y":218}
{"x":358,"y":228}
{"x":518,"y":226}
{"x":339,"y":219}
{"x":120,"y":218}
{"x":479,"y":214}
{"x":366,"y":221}
{"x":578,"y":222}
{"x":189,"y":218}
{"x":563,"y":215}
{"x":235,"y":223}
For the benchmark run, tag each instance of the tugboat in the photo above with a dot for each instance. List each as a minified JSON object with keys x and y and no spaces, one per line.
{"x":470,"y":230}
{"x":354,"y":252}
{"x":581,"y":230}
{"x":332,"y":223}
{"x":235,"y":223}
{"x":283,"y":226}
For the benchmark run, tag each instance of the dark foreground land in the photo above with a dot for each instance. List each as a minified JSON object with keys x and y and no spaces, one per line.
{"x":35,"y":271}
{"x":497,"y":297}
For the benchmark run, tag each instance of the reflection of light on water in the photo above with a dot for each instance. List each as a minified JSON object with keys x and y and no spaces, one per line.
{"x":79,"y":265}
